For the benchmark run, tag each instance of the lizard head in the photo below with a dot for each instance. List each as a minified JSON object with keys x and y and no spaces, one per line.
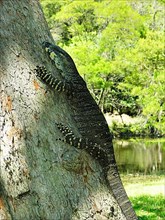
{"x":62,"y":61}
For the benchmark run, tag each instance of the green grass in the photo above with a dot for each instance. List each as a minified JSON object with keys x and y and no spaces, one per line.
{"x":144,"y":185}
{"x":147,"y":194}
{"x":149,"y":207}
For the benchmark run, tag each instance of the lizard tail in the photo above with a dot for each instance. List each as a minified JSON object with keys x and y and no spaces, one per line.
{"x":117,"y":188}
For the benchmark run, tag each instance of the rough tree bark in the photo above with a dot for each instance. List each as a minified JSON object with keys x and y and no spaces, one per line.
{"x":41,"y":178}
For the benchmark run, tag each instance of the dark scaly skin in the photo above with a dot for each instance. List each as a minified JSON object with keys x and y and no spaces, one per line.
{"x":95,"y":136}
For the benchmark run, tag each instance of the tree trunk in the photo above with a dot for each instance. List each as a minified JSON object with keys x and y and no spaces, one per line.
{"x":41,"y":178}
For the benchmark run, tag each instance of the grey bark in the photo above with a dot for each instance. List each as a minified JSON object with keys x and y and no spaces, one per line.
{"x":41,"y":178}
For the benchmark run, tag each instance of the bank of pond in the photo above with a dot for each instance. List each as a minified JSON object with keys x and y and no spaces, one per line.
{"x":141,"y":164}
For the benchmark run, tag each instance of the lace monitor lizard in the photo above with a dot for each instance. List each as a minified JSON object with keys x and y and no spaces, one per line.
{"x":95,"y":136}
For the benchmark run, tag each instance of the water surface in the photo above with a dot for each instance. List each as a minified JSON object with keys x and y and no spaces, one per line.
{"x":145,"y":156}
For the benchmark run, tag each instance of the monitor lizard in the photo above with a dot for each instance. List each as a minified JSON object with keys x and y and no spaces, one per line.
{"x":95,"y":137}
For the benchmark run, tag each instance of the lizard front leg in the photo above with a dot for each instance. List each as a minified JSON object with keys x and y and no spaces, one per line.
{"x":50,"y":80}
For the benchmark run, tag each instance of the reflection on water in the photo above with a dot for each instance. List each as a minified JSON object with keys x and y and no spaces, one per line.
{"x":140,"y":156}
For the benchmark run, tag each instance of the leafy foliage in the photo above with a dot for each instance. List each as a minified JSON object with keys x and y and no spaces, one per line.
{"x":118,"y":48}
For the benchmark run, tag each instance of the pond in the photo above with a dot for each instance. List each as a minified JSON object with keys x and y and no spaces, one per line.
{"x":144,"y":156}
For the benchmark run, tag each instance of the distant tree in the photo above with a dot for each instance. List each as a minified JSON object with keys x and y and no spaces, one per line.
{"x":100,"y":36}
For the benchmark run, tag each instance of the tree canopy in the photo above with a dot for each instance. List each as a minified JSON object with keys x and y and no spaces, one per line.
{"x":118,"y":47}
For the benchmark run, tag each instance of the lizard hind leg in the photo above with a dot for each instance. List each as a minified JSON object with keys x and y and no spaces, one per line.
{"x":68,"y":135}
{"x":94,"y":149}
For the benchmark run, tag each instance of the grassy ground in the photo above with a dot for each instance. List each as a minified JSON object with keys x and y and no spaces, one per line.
{"x":147,"y":194}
